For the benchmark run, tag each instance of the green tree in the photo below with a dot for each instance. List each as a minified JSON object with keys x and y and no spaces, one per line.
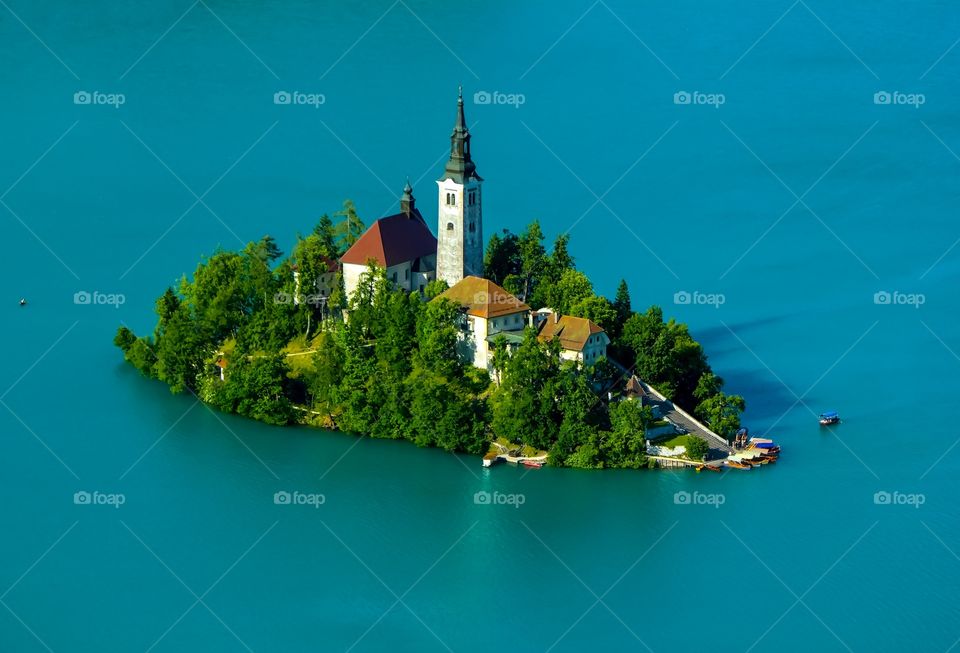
{"x":180,"y":352}
{"x":502,"y":257}
{"x":665,"y":354}
{"x":255,"y":388}
{"x":524,"y":407}
{"x":350,"y":227}
{"x":327,"y":235}
{"x":124,"y":339}
{"x":434,"y":288}
{"x":533,"y":260}
{"x":595,"y":308}
{"x":697,"y":448}
{"x":622,"y":308}
{"x":266,"y":249}
{"x":560,"y":258}
{"x":625,"y":445}
{"x":570,"y":289}
{"x":328,"y":370}
{"x":722,"y":413}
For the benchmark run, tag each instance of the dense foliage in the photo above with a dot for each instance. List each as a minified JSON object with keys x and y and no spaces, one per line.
{"x":395,"y":369}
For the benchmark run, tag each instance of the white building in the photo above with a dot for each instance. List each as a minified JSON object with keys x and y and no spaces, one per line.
{"x":581,"y":340}
{"x":322,"y":285}
{"x":402,"y":244}
{"x":490,"y":311}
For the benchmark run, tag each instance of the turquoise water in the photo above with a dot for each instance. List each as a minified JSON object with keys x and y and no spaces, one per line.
{"x":399,"y":556}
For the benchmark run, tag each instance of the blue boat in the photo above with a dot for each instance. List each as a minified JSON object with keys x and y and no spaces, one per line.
{"x":829,"y":417}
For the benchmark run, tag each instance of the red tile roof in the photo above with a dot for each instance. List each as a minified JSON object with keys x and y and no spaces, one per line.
{"x":483,"y":298}
{"x":573,"y":332}
{"x":392,"y":240}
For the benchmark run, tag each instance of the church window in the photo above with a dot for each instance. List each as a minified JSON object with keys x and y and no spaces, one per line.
{"x":472,"y":197}
{"x":473,"y":227}
{"x":406,"y":274}
{"x":449,"y":226}
{"x":451,"y":199}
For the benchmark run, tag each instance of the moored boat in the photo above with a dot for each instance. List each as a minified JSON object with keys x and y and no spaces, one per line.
{"x":531,"y":463}
{"x":736,"y":464}
{"x":829,"y":417}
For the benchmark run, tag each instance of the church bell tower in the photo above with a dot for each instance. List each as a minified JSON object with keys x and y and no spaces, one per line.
{"x":460,"y":225}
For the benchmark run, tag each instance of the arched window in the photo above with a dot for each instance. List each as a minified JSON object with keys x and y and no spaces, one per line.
{"x":473,"y":227}
{"x":449,"y":226}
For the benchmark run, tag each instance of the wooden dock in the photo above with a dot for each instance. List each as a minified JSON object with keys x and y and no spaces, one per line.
{"x":666,"y":462}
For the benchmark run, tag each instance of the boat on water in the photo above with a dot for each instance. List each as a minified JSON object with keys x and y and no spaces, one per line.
{"x":736,"y":464}
{"x":712,"y":468}
{"x":829,"y":417}
{"x":532,"y":463}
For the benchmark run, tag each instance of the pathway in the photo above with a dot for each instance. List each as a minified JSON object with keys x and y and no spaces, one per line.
{"x":719,"y":447}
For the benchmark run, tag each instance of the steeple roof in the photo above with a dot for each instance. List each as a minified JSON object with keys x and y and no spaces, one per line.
{"x":396,"y":238}
{"x":460,"y":167}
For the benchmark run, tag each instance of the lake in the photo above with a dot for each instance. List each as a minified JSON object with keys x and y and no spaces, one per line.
{"x":779,"y":176}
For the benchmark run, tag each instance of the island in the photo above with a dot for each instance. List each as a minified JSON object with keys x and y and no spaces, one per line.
{"x":500,"y":348}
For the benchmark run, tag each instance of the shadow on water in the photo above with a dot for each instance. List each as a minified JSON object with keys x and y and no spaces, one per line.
{"x":768,"y":400}
{"x":717,"y":340}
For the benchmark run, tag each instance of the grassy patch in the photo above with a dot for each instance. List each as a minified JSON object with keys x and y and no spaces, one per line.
{"x":676,"y":441}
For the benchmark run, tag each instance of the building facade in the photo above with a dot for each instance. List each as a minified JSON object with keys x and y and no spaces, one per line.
{"x":581,"y":340}
{"x":402,"y":244}
{"x":460,"y":209}
{"x":489,"y":312}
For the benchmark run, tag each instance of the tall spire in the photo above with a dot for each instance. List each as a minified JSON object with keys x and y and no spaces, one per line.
{"x":460,"y":167}
{"x":407,"y":201}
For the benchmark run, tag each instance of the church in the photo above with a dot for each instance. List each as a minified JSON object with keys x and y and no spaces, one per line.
{"x":403,"y":244}
{"x":405,"y":247}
